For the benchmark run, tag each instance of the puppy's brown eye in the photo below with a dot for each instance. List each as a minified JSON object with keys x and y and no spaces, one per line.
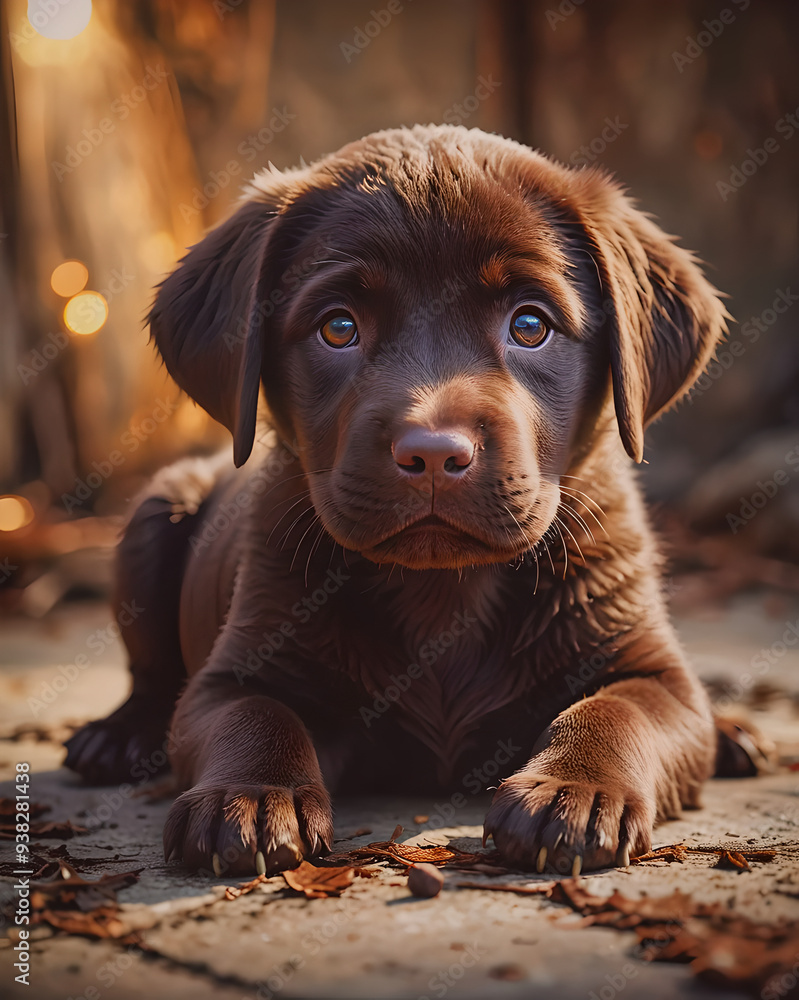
{"x":339,"y":331}
{"x":528,"y":329}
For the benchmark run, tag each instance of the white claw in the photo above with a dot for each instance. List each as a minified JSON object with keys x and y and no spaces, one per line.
{"x":217,"y":865}
{"x":557,"y":841}
{"x":260,"y":863}
{"x":541,"y":860}
{"x":577,"y":866}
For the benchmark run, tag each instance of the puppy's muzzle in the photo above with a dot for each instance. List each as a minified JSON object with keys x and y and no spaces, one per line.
{"x":429,"y":457}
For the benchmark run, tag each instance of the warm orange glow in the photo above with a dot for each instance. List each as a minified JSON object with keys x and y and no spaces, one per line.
{"x":15,"y":513}
{"x":69,"y":278}
{"x":190,"y":418}
{"x":160,"y":251}
{"x":708,"y":144}
{"x":85,"y":313}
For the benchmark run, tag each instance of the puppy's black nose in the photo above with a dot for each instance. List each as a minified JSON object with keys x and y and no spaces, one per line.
{"x":443,"y":453}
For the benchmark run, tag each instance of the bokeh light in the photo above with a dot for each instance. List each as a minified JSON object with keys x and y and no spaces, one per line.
{"x":59,"y":19}
{"x":69,"y":278}
{"x":85,"y":313}
{"x":15,"y":513}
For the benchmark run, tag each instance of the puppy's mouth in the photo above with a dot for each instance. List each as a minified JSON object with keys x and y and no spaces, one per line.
{"x":432,"y":542}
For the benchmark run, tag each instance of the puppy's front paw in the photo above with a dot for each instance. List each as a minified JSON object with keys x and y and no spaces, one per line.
{"x":542,"y":823}
{"x":241,"y":829}
{"x":130,"y":745}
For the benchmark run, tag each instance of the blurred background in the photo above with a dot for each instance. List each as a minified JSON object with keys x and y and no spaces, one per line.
{"x":128,"y":128}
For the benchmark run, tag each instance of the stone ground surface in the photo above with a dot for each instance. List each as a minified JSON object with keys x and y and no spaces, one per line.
{"x":376,"y":940}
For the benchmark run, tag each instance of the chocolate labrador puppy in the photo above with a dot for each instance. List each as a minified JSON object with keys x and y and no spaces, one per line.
{"x":436,"y":569}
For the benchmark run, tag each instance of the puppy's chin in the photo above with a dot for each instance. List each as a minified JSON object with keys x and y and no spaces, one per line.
{"x":433,"y":544}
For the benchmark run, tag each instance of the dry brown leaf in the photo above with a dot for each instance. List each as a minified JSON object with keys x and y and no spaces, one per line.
{"x":759,"y":855}
{"x":405,"y":854}
{"x":744,"y":852}
{"x":680,"y":852}
{"x":8,"y":807}
{"x":234,"y":891}
{"x":421,"y":818}
{"x":676,"y":852}
{"x":733,"y":859}
{"x":79,"y":906}
{"x":365,"y":872}
{"x":319,"y":883}
{"x":728,"y":950}
{"x":102,"y":922}
{"x":68,"y":891}
{"x":724,"y":949}
{"x":618,"y":910}
{"x":42,"y":828}
{"x":38,"y":863}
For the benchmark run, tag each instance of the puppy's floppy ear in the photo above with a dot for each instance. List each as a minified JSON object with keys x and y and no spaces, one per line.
{"x":664,"y":316}
{"x":208,"y":326}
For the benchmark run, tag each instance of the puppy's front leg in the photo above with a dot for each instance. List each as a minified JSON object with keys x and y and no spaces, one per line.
{"x":604,"y":772}
{"x":257,"y":801}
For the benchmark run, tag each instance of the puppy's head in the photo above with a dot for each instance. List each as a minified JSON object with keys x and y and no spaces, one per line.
{"x":439,"y":317}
